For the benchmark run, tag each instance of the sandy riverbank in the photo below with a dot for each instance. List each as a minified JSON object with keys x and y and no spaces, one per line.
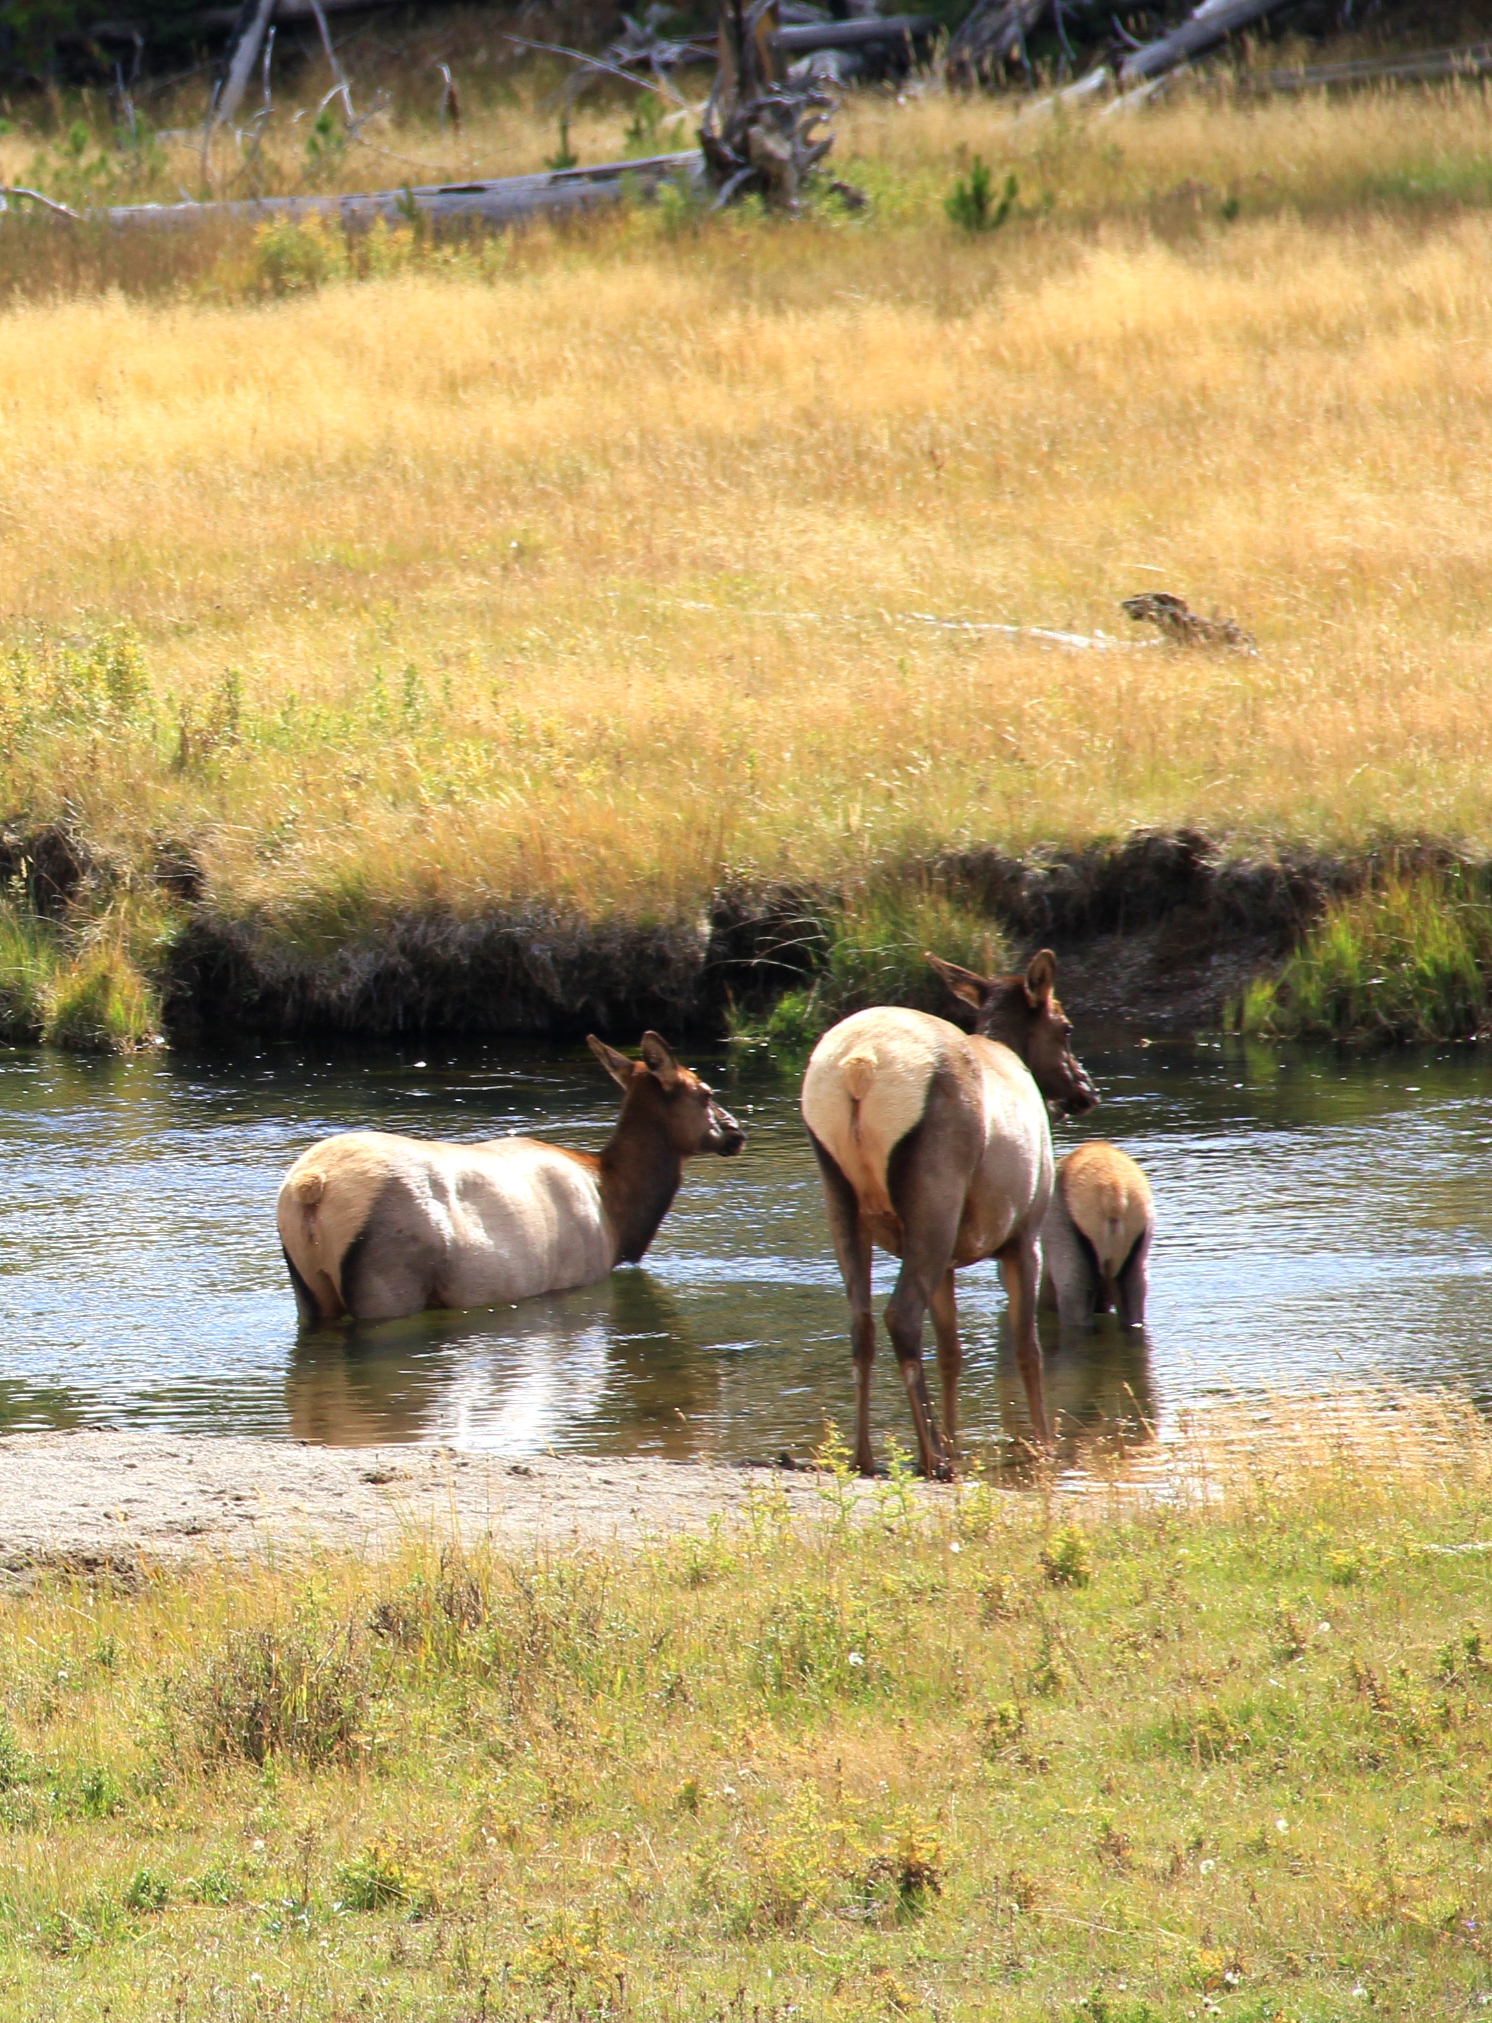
{"x":102,"y":1498}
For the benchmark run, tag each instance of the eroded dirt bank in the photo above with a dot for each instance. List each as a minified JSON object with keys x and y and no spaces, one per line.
{"x":1162,"y":927}
{"x":99,"y":1499}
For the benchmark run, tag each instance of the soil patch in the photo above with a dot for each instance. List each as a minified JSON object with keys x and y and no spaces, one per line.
{"x":102,"y":1501}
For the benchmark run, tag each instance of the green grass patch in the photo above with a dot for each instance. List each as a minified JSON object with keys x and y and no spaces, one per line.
{"x":1408,"y":960}
{"x":1163,"y":1762}
{"x":875,"y":948}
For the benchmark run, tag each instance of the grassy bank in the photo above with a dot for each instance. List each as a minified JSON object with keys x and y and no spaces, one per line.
{"x":1221,"y":1754}
{"x":1407,"y":960}
{"x":591,"y":572}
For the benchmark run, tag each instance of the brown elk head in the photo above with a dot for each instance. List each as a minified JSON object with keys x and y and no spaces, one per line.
{"x":1023,"y":1013}
{"x":694,"y":1121}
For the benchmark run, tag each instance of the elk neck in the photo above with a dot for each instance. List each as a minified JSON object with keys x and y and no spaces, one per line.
{"x":640,"y":1171}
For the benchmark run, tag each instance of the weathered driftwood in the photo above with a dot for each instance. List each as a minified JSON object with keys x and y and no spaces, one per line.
{"x":760,"y":134}
{"x":1183,"y":627}
{"x":503,"y":202}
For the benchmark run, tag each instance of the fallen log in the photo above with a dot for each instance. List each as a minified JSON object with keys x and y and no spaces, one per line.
{"x":1432,"y":66}
{"x":1210,"y":24}
{"x":505,"y":201}
{"x":805,"y":40}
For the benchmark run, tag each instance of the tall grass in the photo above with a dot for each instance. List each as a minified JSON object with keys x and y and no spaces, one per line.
{"x":1408,"y":960}
{"x":1128,"y":1757}
{"x":601,"y":568}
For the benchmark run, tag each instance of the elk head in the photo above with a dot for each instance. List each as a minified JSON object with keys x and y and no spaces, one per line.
{"x":1023,"y":1013}
{"x":693,"y":1119}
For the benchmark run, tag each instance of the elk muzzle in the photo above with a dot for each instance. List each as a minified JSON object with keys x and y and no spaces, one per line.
{"x":726,"y":1136}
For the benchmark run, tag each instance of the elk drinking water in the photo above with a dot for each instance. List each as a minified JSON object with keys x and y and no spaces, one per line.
{"x":1095,"y":1242}
{"x":934,"y":1144}
{"x":376,"y":1226}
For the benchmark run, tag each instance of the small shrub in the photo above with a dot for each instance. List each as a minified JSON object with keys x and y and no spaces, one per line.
{"x":572,"y":1955}
{"x":972,"y":204}
{"x":1212,"y":1735}
{"x":1050,"y":1674}
{"x":91,"y":1791}
{"x":380,"y":1879}
{"x":912,"y":1865}
{"x":217,"y":1885}
{"x":290,"y":255}
{"x":795,"y":1867}
{"x":1003,"y":1726}
{"x":147,"y":1890}
{"x":276,"y":1692}
{"x":1067,"y":1560}
{"x":806,"y":1641}
{"x":17,"y":1767}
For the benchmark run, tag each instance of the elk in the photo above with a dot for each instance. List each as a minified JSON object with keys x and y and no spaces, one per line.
{"x":376,"y":1226}
{"x":1095,"y":1242}
{"x":934,"y":1145}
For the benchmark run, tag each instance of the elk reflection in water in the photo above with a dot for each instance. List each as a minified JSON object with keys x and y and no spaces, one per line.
{"x":617,"y":1359}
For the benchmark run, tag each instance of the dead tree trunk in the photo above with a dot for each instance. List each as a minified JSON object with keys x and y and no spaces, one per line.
{"x":758,"y":132}
{"x":992,"y":36}
{"x":249,"y":31}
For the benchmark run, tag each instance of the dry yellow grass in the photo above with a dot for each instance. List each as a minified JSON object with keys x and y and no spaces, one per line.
{"x":653,"y":512}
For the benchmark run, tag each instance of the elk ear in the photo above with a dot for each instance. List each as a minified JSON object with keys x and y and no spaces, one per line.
{"x":962,"y":982}
{"x":1041,"y":978}
{"x":616,"y":1065}
{"x":659,"y":1060}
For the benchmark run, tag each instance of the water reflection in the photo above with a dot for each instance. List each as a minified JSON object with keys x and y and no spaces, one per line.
{"x":618,"y":1358}
{"x":1319,"y":1217}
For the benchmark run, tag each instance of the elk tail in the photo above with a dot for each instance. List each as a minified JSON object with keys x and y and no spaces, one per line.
{"x":858,"y":1070}
{"x":308,"y":1188}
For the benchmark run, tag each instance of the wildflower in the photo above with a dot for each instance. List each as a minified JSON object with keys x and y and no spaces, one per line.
{"x":856,"y":1659}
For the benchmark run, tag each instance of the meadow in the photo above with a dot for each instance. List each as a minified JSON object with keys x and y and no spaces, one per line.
{"x":596,"y":568}
{"x":1215,"y":1747}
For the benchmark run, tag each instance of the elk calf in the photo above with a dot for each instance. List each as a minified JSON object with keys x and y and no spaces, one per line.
{"x":1095,"y":1241}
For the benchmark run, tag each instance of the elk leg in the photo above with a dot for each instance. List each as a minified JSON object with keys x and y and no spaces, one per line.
{"x":852,"y":1249}
{"x":1020,"y":1267}
{"x":950,"y":1354}
{"x":906,"y":1311}
{"x":1134,"y":1284}
{"x":927,"y":1177}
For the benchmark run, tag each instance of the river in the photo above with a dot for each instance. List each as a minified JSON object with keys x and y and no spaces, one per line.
{"x":1321,"y":1217}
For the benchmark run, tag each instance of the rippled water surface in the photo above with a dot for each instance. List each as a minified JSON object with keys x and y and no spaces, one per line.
{"x":1320,"y":1218}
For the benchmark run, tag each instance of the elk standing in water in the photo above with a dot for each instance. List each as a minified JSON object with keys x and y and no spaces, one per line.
{"x":377,"y":1226}
{"x":1095,"y":1242}
{"x":934,"y":1145}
